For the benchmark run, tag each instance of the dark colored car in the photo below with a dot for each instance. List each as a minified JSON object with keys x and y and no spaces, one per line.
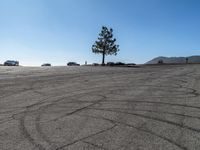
{"x":160,"y":61}
{"x":96,"y":64}
{"x":131,"y":64}
{"x":11,"y":63}
{"x":119,"y":64}
{"x":72,"y":64}
{"x":110,"y":63}
{"x":46,"y":64}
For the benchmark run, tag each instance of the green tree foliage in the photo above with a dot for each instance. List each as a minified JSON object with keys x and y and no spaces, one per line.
{"x":105,"y":44}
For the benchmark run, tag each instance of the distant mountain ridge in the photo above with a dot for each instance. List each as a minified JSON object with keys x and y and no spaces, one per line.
{"x":176,"y":60}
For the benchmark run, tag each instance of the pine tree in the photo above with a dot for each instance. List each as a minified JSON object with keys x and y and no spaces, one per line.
{"x":105,"y":44}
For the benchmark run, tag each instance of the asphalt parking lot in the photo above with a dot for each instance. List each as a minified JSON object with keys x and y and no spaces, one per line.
{"x":100,"y":108}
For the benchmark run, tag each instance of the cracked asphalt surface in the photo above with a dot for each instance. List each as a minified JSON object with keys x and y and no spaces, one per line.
{"x":100,"y":108}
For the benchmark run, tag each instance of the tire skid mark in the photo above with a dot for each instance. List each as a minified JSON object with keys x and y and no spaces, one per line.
{"x":40,"y":132}
{"x":40,"y":105}
{"x":190,"y":94}
{"x":153,"y":102}
{"x":27,"y":135}
{"x":140,"y":129}
{"x":95,"y":145}
{"x":80,"y":109}
{"x":89,"y":136}
{"x":125,"y":101}
{"x":37,"y":122}
{"x":151,"y":111}
{"x":135,"y":101}
{"x":51,"y":103}
{"x":155,"y":119}
{"x":90,"y":91}
{"x":86,"y":107}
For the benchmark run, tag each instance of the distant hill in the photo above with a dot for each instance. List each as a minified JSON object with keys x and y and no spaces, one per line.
{"x":176,"y":60}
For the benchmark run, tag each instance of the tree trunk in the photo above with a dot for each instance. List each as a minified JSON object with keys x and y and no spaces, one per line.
{"x":103,"y":59}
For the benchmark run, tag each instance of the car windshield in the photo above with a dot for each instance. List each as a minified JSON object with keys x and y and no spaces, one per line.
{"x":9,"y":61}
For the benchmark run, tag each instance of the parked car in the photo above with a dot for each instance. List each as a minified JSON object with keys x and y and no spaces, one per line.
{"x":96,"y":64}
{"x":72,"y":64}
{"x":119,"y":64}
{"x":160,"y":61}
{"x":46,"y":64}
{"x":11,"y":63}
{"x":110,"y":63}
{"x":131,"y":64}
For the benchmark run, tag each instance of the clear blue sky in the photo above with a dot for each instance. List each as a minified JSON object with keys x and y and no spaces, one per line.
{"x":58,"y":31}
